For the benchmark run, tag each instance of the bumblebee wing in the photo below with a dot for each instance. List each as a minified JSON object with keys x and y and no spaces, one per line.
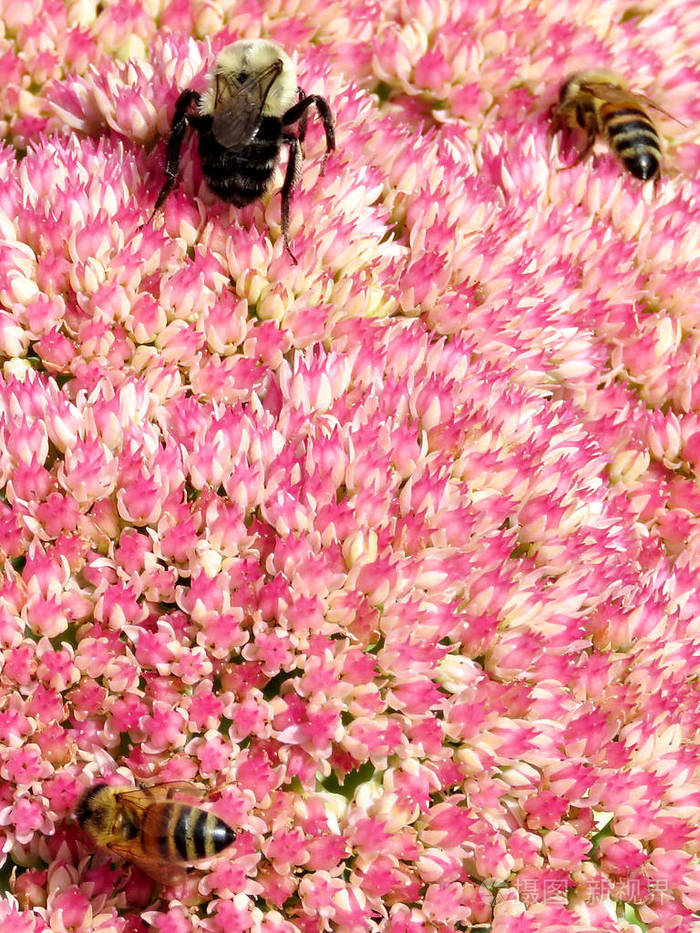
{"x":234,"y":125}
{"x":237,"y":112}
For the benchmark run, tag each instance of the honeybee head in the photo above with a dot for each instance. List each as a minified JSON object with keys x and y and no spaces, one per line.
{"x":96,"y":809}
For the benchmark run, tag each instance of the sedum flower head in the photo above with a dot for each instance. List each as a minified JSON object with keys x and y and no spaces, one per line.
{"x":392,"y":550}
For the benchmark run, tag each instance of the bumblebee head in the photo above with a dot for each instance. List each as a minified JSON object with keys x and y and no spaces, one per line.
{"x":256,"y":59}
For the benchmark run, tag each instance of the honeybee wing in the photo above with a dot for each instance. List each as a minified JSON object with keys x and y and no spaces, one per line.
{"x":164,"y":873}
{"x":238,"y":106}
{"x":616,"y":95}
{"x":607,"y":92}
{"x":172,"y":790}
{"x":146,"y":795}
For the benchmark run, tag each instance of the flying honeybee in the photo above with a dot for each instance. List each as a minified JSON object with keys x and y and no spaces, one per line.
{"x":151,"y":829}
{"x":253,"y":106}
{"x":600,"y":103}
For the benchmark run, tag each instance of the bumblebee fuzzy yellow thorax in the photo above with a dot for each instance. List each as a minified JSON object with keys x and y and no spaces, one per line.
{"x":251,"y":57}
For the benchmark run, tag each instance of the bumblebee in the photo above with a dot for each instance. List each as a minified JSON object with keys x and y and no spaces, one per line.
{"x":600,"y":103}
{"x":151,"y":829}
{"x":243,"y":120}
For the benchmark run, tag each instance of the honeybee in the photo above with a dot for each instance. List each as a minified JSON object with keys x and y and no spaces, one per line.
{"x":151,"y":829}
{"x":600,"y":103}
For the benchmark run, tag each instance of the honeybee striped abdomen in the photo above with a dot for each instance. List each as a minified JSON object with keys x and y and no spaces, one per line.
{"x":181,"y":833}
{"x":633,"y":137}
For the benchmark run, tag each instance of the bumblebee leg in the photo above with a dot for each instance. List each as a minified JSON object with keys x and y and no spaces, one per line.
{"x":304,"y":119}
{"x":181,"y":118}
{"x":298,"y":111}
{"x":291,"y":178}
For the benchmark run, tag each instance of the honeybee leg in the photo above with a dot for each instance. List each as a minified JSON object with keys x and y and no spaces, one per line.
{"x":582,"y":154}
{"x":560,"y":121}
{"x":182,"y":116}
{"x":298,"y":111}
{"x":291,"y":177}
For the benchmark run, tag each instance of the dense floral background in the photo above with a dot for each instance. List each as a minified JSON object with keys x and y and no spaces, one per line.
{"x":396,"y":548}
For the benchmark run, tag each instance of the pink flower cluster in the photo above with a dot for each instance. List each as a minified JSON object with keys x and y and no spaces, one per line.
{"x":394,"y":548}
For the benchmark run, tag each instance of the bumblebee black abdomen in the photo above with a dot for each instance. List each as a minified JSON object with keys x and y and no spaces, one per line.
{"x":180,"y":833}
{"x":241,"y":175}
{"x":634,"y":139}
